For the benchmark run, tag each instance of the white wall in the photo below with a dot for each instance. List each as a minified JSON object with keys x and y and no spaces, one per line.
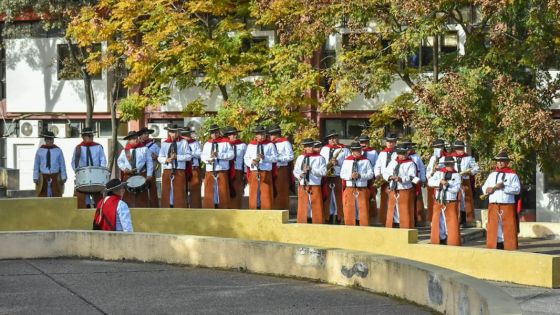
{"x":32,"y":85}
{"x":20,"y":154}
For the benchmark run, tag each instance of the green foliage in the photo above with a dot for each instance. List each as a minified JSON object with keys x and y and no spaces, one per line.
{"x":132,"y":107}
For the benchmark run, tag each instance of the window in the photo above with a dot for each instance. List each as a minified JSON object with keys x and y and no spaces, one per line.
{"x":106,"y":130}
{"x":346,"y":128}
{"x":447,"y":45}
{"x":67,"y":69}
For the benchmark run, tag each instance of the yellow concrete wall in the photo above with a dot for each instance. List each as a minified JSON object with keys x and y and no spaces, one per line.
{"x":517,"y":267}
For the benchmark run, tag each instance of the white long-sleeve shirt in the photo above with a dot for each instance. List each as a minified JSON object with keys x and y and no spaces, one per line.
{"x":239,"y":149}
{"x":371,"y":155}
{"x":434,"y":163}
{"x":467,"y":162}
{"x":453,"y":187}
{"x":383,"y":160}
{"x":269,"y":152}
{"x":318,"y":169}
{"x":152,"y":146}
{"x":419,"y":165}
{"x":407,"y":172}
{"x":57,"y":162}
{"x":124,"y":220}
{"x":340,"y":154}
{"x":225,"y":154}
{"x":363,"y":167}
{"x":512,"y":187}
{"x":196,"y":151}
{"x":143,"y":160}
{"x":183,"y":155}
{"x":97,"y":156}
{"x":284,"y":150}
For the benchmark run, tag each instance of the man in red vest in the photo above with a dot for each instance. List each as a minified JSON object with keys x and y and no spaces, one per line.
{"x":112,"y":213}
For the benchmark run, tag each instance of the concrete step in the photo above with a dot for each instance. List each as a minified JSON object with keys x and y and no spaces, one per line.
{"x":468,"y":235}
{"x":20,"y":193}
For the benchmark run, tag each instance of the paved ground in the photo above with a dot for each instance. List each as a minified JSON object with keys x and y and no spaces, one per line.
{"x":67,"y":286}
{"x":533,"y":300}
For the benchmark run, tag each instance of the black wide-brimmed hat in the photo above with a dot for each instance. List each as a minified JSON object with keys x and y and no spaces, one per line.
{"x":274,"y":129}
{"x":229,"y":130}
{"x":259,"y":129}
{"x":448,"y":160}
{"x":213,"y":128}
{"x":114,"y":184}
{"x":87,"y":131}
{"x":438,"y":143}
{"x":307,"y":142}
{"x":363,"y":138}
{"x":355,"y":146}
{"x":317,"y":144}
{"x":187,"y":131}
{"x":502,"y":156}
{"x":407,"y":142}
{"x":145,"y":130}
{"x":172,"y":127}
{"x":131,"y":135}
{"x":458,"y":144}
{"x":392,"y":137}
{"x":401,"y":149}
{"x":332,"y":134}
{"x":48,"y":134}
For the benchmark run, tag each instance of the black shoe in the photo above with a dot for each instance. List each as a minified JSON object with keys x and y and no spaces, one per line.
{"x":500,"y":245}
{"x":463,"y":219}
{"x":309,"y":220}
{"x":443,"y":241}
{"x":357,"y":222}
{"x":331,"y":219}
{"x":396,"y":225}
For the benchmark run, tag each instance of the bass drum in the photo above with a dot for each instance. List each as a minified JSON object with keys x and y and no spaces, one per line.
{"x":91,"y":179}
{"x":136,"y":184}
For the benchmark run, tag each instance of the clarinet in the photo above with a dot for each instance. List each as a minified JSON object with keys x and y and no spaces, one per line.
{"x":393,"y":183}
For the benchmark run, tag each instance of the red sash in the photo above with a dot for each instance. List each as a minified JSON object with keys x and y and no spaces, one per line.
{"x":106,"y":213}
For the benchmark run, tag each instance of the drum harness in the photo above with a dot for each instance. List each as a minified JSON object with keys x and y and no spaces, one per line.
{"x":89,"y":162}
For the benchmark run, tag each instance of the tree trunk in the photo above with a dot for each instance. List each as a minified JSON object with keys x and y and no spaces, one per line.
{"x":435,"y":49}
{"x":224,"y":92}
{"x":89,"y":99}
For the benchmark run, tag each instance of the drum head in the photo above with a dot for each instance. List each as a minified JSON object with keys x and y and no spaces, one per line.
{"x":136,"y":182}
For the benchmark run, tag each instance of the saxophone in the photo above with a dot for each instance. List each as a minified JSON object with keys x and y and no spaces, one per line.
{"x":330,"y":167}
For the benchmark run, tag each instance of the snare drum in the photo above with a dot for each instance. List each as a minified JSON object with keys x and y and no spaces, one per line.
{"x":136,"y":184}
{"x":91,"y":179}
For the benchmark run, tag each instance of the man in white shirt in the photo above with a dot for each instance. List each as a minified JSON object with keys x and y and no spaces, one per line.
{"x":401,"y":174}
{"x":371,"y":154}
{"x":384,"y":157}
{"x":281,"y":180}
{"x":468,"y":168}
{"x":173,"y":157}
{"x":153,"y":149}
{"x":356,"y":171}
{"x":334,"y":153}
{"x":49,"y":171}
{"x":309,"y":169}
{"x":236,"y":168}
{"x":419,"y":214}
{"x":135,"y":160}
{"x":446,"y":183}
{"x":502,"y":187}
{"x":216,"y":154}
{"x":433,"y":166}
{"x":259,"y":158}
{"x":192,"y":172}
{"x":112,"y":213}
{"x":88,"y":153}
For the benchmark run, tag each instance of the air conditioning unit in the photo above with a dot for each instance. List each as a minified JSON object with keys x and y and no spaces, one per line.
{"x":159,"y":130}
{"x":30,"y":128}
{"x":194,"y":123}
{"x":61,"y":130}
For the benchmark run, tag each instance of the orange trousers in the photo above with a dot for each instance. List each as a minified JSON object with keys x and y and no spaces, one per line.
{"x":265,"y":189}
{"x":451,"y":220}
{"x":384,"y":194}
{"x":307,"y":195}
{"x":509,"y":225}
{"x":136,"y":200}
{"x":223,"y":190}
{"x":352,"y":197}
{"x":405,"y":201}
{"x":56,"y":187}
{"x":179,"y":199}
{"x":193,"y":189}
{"x":237,"y":201}
{"x":282,"y":184}
{"x":469,"y":202}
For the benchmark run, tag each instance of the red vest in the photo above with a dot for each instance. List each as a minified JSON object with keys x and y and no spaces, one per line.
{"x":107,"y":221}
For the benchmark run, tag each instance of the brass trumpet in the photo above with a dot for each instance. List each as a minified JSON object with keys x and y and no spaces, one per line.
{"x":330,"y":167}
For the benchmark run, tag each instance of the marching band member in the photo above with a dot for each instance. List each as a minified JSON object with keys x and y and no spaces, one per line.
{"x":173,"y":155}
{"x":317,"y":146}
{"x":134,"y":160}
{"x":433,"y":166}
{"x":216,"y":154}
{"x":153,"y":150}
{"x":501,"y":187}
{"x":112,"y":213}
{"x":236,"y":167}
{"x":383,"y":159}
{"x":193,"y":175}
{"x":467,"y":167}
{"x":259,"y":159}
{"x":309,"y":168}
{"x":49,"y":171}
{"x":446,"y":183}
{"x":419,"y":215}
{"x":371,"y":154}
{"x":334,"y":153}
{"x":281,"y":182}
{"x":401,"y":175}
{"x":88,"y":153}
{"x":356,"y":171}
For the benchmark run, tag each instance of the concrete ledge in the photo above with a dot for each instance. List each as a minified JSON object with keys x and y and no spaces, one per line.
{"x":437,"y":288}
